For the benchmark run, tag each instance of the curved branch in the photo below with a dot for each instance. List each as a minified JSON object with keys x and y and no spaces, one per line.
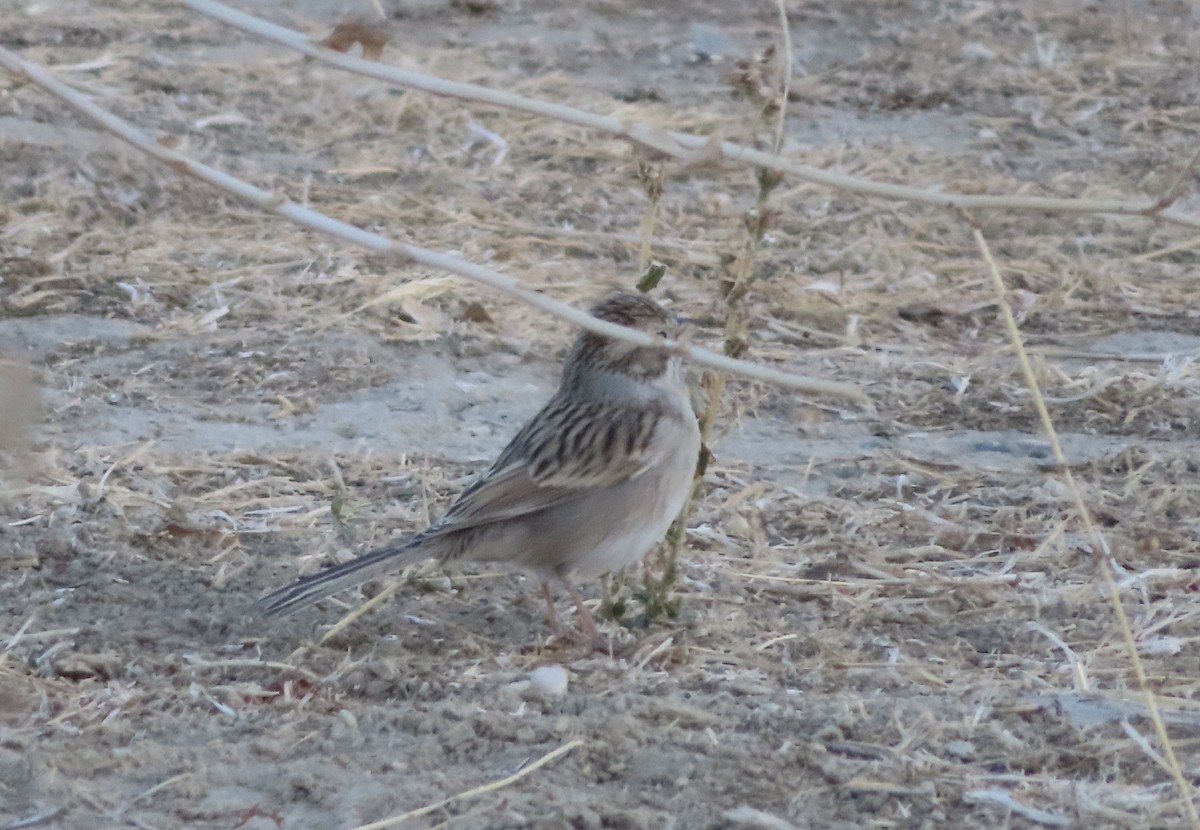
{"x":683,"y":146}
{"x":381,"y":244}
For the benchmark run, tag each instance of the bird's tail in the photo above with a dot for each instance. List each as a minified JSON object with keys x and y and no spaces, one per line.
{"x":314,"y":588}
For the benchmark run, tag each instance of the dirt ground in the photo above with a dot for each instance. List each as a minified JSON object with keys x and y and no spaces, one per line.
{"x":889,"y":616}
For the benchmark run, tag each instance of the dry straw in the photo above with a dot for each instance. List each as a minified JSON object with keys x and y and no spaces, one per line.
{"x":483,"y":789}
{"x":1100,"y":548}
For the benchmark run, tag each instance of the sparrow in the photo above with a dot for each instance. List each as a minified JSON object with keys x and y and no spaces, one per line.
{"x":588,"y":486}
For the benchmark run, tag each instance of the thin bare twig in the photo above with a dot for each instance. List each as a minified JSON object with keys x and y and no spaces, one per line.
{"x":679,"y":145}
{"x":383,"y":245}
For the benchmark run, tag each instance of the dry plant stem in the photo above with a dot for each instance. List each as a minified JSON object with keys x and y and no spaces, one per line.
{"x":651,"y":176}
{"x":679,"y":145}
{"x":1101,"y":552}
{"x":1167,"y":251}
{"x":475,"y":791}
{"x":734,"y":326}
{"x":366,"y":608}
{"x":383,"y":245}
{"x":785,"y":31}
{"x":648,"y":222}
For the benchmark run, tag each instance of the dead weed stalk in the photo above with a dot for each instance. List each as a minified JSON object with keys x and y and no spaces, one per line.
{"x":764,"y":82}
{"x":1101,"y":552}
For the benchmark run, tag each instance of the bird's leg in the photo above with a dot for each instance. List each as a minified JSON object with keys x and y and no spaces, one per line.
{"x":585,"y":616}
{"x":551,"y":611}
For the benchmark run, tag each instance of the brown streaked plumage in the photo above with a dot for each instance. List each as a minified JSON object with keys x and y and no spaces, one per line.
{"x":589,"y":485}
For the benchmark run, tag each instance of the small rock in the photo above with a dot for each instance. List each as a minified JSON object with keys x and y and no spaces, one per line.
{"x":549,"y":681}
{"x":962,"y":750}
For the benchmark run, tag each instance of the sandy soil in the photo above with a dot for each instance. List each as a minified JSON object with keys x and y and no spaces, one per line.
{"x":890,"y":617}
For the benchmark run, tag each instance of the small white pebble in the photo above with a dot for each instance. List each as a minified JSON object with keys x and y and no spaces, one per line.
{"x":549,"y":681}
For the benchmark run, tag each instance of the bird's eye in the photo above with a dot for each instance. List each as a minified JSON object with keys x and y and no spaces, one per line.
{"x":663,"y":334}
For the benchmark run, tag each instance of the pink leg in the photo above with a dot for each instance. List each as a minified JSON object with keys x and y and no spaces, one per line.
{"x":551,"y":611}
{"x":585,"y":616}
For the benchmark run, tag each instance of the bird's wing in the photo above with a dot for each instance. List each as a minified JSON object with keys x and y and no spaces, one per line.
{"x":569,"y":448}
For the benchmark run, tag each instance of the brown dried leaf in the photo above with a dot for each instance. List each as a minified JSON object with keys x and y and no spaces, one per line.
{"x":373,"y":35}
{"x":474,"y":312}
